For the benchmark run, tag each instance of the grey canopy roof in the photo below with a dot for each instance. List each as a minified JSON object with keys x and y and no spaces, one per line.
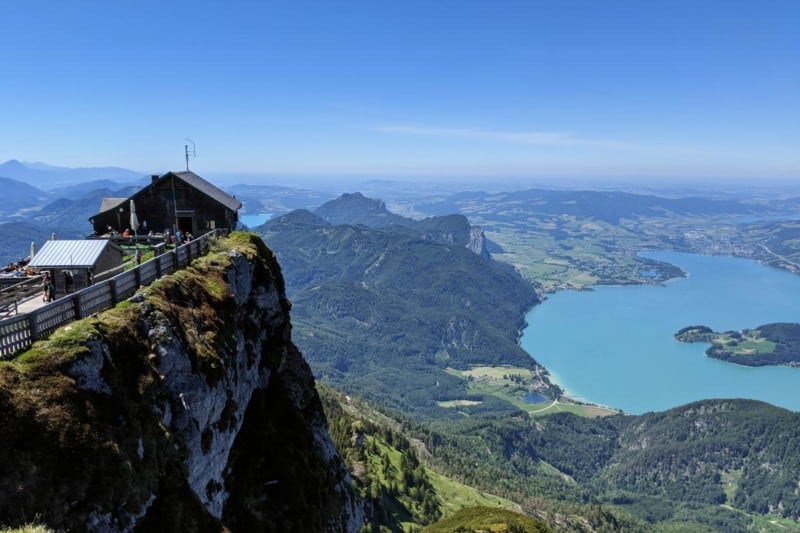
{"x":70,"y":253}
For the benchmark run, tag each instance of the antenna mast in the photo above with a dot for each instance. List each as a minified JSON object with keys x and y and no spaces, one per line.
{"x":189,"y":153}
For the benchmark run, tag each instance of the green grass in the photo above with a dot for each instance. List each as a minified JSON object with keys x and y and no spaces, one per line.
{"x":400,"y":513}
{"x":500,"y":382}
{"x":770,"y":523}
{"x":749,"y":346}
{"x":129,"y":257}
{"x":730,"y":483}
{"x":586,"y":411}
{"x":487,"y":519}
{"x":449,"y":404}
{"x":456,"y":496}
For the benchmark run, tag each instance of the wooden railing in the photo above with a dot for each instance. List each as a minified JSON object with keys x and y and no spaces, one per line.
{"x":10,"y":295}
{"x":20,"y":332}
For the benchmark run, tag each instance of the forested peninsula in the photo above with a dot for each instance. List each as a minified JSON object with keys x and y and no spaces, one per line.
{"x":769,"y":344}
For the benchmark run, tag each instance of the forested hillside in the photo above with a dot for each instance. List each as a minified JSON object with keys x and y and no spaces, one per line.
{"x":700,"y":461}
{"x":736,"y":452}
{"x":385,"y":314}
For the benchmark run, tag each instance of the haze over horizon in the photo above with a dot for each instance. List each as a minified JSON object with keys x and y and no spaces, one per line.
{"x":574,"y":91}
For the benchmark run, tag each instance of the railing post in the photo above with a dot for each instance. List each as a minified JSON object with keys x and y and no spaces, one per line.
{"x":112,"y":284}
{"x":33,"y":325}
{"x":76,"y":301}
{"x":137,"y":276}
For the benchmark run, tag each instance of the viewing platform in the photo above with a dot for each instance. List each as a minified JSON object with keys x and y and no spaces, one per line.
{"x":36,"y":319}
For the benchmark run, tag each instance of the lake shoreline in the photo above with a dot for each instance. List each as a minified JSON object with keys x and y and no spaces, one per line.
{"x":567,"y":365}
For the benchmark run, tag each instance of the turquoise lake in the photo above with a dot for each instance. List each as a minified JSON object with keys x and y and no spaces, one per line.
{"x":614,"y":345}
{"x":252,"y":221}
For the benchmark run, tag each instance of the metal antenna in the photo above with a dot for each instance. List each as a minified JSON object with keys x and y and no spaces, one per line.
{"x":189,"y":153}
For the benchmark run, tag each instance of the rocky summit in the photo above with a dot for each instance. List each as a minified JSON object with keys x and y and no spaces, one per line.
{"x":185,"y":408}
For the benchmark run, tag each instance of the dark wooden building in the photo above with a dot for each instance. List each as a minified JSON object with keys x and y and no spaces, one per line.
{"x":176,"y":200}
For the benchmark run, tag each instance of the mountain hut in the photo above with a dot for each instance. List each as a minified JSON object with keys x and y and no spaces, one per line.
{"x":175,"y":201}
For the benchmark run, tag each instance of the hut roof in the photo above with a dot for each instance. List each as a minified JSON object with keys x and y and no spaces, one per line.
{"x":207,"y":188}
{"x":70,"y":253}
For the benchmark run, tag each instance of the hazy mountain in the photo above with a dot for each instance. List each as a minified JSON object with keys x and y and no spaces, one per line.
{"x":73,"y":215}
{"x":275,"y":199}
{"x":48,"y":177}
{"x":67,"y":218}
{"x":16,"y":238}
{"x":610,"y":206}
{"x":82,"y":189}
{"x":355,"y":208}
{"x":18,"y":195}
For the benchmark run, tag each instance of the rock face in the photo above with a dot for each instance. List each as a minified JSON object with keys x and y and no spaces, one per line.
{"x":186,"y":409}
{"x":477,"y":242}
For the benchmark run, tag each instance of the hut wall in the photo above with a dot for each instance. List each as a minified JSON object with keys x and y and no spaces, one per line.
{"x":110,"y":258}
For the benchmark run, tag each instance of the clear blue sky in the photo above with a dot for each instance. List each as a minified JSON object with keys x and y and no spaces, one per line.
{"x":380,"y":89}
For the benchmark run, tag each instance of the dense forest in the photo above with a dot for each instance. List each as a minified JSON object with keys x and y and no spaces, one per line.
{"x":707,"y":466}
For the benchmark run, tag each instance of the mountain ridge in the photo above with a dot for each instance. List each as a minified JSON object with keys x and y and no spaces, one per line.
{"x":49,"y":176}
{"x":355,"y":208}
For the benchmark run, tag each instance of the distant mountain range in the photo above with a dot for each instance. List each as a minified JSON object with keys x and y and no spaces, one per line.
{"x":48,"y":177}
{"x":39,"y":200}
{"x":18,"y":195}
{"x":610,"y":206}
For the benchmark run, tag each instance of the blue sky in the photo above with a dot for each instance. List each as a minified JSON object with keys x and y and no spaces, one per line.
{"x":595,"y":89}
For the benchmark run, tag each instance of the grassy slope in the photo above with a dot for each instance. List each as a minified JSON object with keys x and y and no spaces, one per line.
{"x":490,"y":519}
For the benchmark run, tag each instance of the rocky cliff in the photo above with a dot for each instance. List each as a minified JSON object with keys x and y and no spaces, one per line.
{"x":187,"y":408}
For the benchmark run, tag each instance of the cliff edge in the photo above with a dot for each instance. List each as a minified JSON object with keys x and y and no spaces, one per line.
{"x":185,"y":408}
